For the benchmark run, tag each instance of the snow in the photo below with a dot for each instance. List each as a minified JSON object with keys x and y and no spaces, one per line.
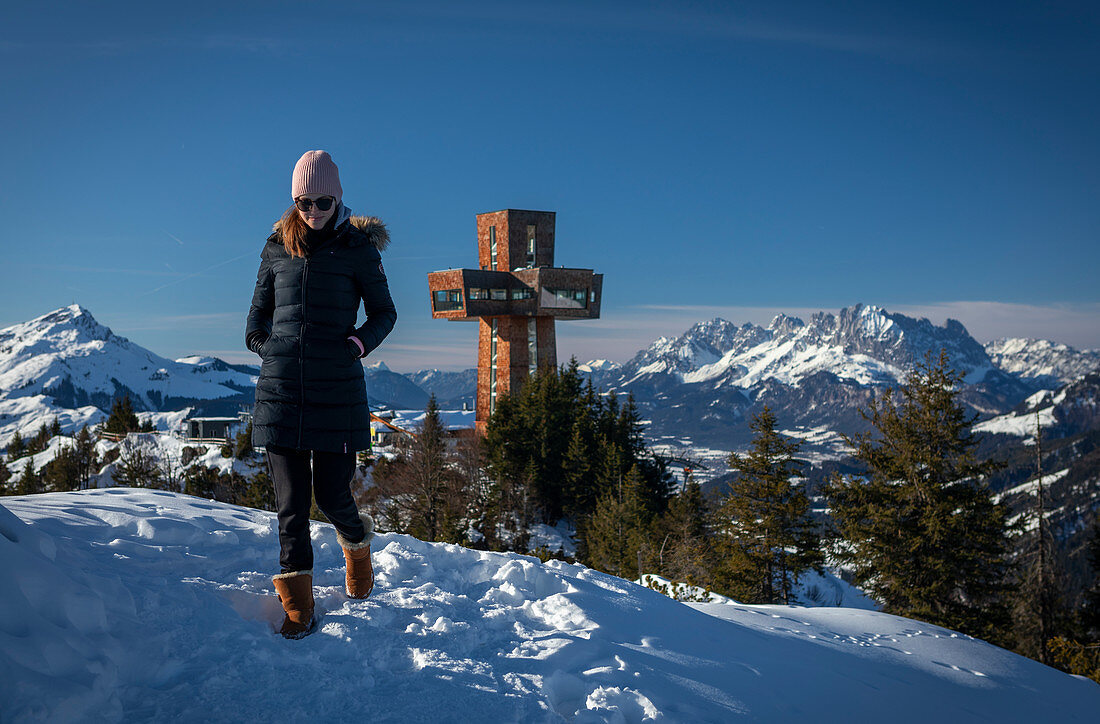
{"x":411,"y":420}
{"x":39,"y":460}
{"x":26,"y":414}
{"x":1018,"y":425}
{"x":812,"y":589}
{"x":552,"y":538}
{"x":145,"y":605}
{"x":598,"y":365}
{"x":1032,"y":486}
{"x":1041,"y":361}
{"x":165,"y":451}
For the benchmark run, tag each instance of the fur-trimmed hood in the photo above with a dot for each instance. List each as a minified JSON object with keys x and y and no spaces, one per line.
{"x":376,"y":232}
{"x":370,"y":229}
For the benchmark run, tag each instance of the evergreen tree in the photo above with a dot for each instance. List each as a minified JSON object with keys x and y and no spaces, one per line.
{"x":619,"y":531}
{"x":259,"y":492}
{"x":63,"y":472}
{"x":243,"y":449}
{"x":232,"y":487}
{"x":122,"y":418}
{"x":430,"y":482}
{"x":17,"y":447}
{"x":5,"y":476}
{"x":768,"y":538}
{"x":30,"y":482}
{"x":554,"y":448}
{"x":201,"y":481}
{"x":578,"y":470}
{"x":422,"y":486}
{"x":923,"y":534}
{"x":86,"y":457}
{"x":658,"y":486}
{"x":687,"y":552}
{"x":41,"y":440}
{"x":55,"y":427}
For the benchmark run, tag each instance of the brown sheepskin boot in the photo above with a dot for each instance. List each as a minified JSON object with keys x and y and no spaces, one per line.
{"x":359,"y":580}
{"x":295,"y":591}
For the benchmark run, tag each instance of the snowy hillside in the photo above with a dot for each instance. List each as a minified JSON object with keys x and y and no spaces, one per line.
{"x":66,"y":364}
{"x":127,"y":605}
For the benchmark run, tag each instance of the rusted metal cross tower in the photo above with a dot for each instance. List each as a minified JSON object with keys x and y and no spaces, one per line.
{"x":516,"y":295}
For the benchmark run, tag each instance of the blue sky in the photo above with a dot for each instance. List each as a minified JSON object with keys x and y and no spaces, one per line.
{"x":711,"y":159}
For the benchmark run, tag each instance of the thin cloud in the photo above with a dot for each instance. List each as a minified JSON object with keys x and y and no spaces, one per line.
{"x":196,"y":274}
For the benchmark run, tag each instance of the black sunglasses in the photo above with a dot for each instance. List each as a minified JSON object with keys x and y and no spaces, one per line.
{"x":324,"y":203}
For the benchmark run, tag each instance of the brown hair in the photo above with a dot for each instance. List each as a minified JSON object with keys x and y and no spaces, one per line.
{"x":292,"y":230}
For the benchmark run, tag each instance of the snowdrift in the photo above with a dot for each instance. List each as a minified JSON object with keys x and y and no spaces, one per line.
{"x":136,"y":605}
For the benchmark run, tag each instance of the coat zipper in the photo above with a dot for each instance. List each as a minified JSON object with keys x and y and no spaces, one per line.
{"x":302,"y":354}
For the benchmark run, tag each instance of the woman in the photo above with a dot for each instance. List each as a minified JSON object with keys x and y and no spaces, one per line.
{"x":311,"y":399}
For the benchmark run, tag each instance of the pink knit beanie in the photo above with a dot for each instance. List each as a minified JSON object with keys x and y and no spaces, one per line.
{"x":315,"y":173}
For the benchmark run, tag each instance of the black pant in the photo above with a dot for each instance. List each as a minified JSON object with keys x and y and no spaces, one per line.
{"x":329,"y":480}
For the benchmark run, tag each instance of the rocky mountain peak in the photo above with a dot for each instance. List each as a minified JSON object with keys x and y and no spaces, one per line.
{"x":1042,"y":362}
{"x":784,"y":325}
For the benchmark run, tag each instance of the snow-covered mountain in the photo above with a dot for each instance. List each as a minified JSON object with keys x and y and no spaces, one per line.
{"x":67,"y":364}
{"x":451,"y":389}
{"x":814,"y":375}
{"x":1041,"y":362}
{"x":865,"y":344}
{"x":139,"y":605}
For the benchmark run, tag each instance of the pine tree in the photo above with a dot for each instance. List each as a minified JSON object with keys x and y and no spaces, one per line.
{"x":63,"y":472}
{"x":41,"y":440}
{"x":425,"y":492}
{"x":768,"y":538}
{"x":30,"y":482}
{"x":17,"y":447}
{"x":86,"y":457}
{"x":243,"y":449}
{"x":687,"y":552}
{"x":260,"y":492}
{"x":579,"y":490}
{"x":55,"y":427}
{"x":428,"y":477}
{"x":618,"y":532}
{"x":201,"y":481}
{"x":122,"y":418}
{"x":5,"y":476}
{"x":923,"y":534}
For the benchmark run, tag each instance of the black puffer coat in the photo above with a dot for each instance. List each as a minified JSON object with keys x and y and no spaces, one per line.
{"x":311,"y":394}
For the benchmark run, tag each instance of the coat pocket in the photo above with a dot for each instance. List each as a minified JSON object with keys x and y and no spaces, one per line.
{"x":352,"y":350}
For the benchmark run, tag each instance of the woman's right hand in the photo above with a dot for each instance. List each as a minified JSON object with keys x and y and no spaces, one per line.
{"x":257,"y":341}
